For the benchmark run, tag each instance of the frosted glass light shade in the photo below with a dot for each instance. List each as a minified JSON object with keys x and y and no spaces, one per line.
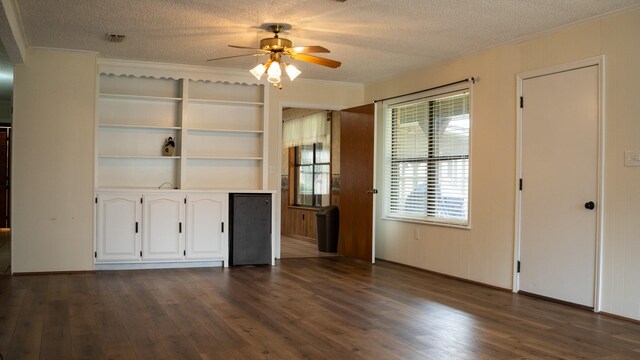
{"x":274,"y":70}
{"x":292,"y":71}
{"x":258,"y":71}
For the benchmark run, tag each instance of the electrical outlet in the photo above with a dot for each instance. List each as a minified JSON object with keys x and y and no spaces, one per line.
{"x":631,"y":158}
{"x":416,"y":233}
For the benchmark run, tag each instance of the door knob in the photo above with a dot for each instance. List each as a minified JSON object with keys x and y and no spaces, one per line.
{"x":372,"y":191}
{"x":590,"y":205}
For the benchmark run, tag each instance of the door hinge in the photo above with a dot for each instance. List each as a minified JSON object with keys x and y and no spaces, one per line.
{"x":302,"y":217}
{"x":95,"y":254}
{"x":180,"y":228}
{"x":140,"y":253}
{"x":185,"y":200}
{"x":518,"y":266}
{"x":136,"y":227}
{"x":521,"y":184}
{"x":184,"y":252}
{"x":222,"y":227}
{"x":521,"y":102}
{"x":140,"y":200}
{"x":96,"y":199}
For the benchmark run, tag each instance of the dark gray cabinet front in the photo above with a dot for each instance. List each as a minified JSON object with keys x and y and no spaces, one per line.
{"x":250,"y":232}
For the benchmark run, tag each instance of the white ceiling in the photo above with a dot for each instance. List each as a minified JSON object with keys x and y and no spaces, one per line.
{"x":374,"y":39}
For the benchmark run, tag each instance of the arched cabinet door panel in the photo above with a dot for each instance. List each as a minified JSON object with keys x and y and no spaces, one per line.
{"x":207,"y":227}
{"x":163,"y":227}
{"x":118,"y":227}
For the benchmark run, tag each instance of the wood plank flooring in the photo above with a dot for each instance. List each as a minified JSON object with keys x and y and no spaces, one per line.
{"x":5,"y":251}
{"x":313,"y":308}
{"x":300,"y":248}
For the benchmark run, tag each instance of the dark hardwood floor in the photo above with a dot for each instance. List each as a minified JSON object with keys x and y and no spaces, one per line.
{"x":302,"y":308}
{"x":300,"y":248}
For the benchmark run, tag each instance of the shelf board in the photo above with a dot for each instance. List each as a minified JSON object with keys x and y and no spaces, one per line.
{"x":138,"y":97}
{"x":225,"y":102}
{"x":137,"y":157}
{"x":143,"y":127}
{"x":224,"y":157}
{"x":225,"y":131}
{"x":133,"y":187}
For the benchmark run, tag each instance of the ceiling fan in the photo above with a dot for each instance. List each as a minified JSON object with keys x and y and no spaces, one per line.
{"x":277,"y":47}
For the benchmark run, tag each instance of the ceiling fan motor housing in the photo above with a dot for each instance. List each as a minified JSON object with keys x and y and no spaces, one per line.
{"x":275,"y":44}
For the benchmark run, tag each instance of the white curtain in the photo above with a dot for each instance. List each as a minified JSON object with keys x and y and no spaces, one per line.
{"x":306,"y":130}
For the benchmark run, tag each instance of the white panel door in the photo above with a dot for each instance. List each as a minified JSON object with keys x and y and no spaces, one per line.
{"x":207,"y":226}
{"x":559,"y":171}
{"x":117,"y":226}
{"x":163,"y":220}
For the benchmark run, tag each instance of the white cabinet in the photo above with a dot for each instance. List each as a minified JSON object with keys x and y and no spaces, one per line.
{"x":163,"y":223}
{"x":206,"y":228}
{"x":219,"y":123}
{"x":168,"y":228}
{"x":118,"y":227}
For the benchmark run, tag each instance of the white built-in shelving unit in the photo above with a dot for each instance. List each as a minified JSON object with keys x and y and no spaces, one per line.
{"x":218,"y":125}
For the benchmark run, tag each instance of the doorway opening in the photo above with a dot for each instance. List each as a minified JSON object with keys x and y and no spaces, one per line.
{"x":310,"y":179}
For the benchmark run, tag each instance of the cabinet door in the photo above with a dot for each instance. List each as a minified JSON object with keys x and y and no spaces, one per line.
{"x":117,"y":226}
{"x":163,"y":227}
{"x":207,"y":226}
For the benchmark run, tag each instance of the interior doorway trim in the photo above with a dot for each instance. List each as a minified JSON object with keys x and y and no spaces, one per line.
{"x":594,"y":61}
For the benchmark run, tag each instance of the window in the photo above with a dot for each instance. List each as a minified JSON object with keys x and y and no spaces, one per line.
{"x":427,"y":157}
{"x":311,"y":172}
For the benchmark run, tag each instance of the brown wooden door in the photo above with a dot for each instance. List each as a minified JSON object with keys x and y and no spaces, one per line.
{"x":356,"y":178}
{"x":4,"y":178}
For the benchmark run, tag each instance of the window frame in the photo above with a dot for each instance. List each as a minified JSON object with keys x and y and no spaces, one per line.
{"x":387,"y":137}
{"x":296,"y":164}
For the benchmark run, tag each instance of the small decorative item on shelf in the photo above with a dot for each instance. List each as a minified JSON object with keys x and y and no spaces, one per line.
{"x":169,"y":147}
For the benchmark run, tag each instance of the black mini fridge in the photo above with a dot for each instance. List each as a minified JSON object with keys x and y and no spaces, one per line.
{"x":250,"y":232}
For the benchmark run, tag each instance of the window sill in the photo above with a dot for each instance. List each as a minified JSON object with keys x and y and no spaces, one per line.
{"x":426,"y":222}
{"x":304,"y":207}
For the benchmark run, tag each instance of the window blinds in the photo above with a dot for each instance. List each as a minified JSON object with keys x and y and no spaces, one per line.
{"x":427,"y":157}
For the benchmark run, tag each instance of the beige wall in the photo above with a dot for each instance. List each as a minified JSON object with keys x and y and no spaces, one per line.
{"x":485,"y":253}
{"x":54,"y":110}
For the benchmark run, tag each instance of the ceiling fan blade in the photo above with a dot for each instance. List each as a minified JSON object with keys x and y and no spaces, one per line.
{"x":316,"y":60}
{"x":310,"y":49}
{"x":236,"y":56}
{"x":247,"y":48}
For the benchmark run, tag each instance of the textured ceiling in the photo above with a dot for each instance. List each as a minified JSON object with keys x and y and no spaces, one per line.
{"x":374,"y":39}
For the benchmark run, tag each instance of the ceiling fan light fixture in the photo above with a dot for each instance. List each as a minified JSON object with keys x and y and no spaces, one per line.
{"x":274,"y":80}
{"x":277,"y":47}
{"x":258,"y":71}
{"x":292,"y":71}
